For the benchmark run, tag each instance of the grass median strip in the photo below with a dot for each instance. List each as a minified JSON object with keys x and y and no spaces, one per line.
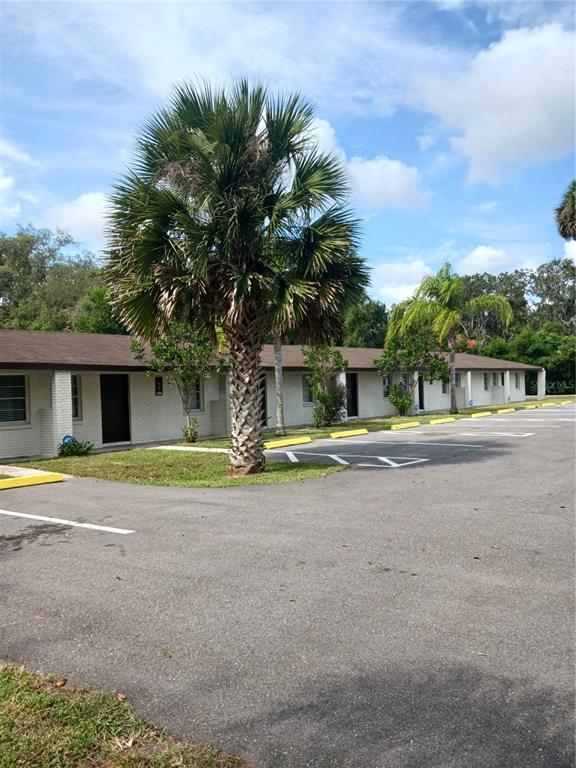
{"x":176,"y":468}
{"x":44,"y":724}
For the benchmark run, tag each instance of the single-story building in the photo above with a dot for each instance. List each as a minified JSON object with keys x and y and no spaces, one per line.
{"x":89,"y":385}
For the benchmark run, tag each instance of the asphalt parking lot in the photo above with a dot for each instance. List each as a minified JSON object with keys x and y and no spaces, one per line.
{"x":414,"y":613}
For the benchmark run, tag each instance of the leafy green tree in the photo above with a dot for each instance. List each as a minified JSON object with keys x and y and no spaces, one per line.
{"x":439,"y":305}
{"x":233,"y":218}
{"x":514,"y":286}
{"x":93,"y":313}
{"x":565,"y":214}
{"x":325,"y":363}
{"x":408,"y":353}
{"x":365,"y":324}
{"x":547,"y":347}
{"x":42,"y":279}
{"x":553,"y":290}
{"x":184,"y":356}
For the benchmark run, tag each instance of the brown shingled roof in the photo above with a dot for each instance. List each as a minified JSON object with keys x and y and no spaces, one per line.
{"x":362,"y":359}
{"x":104,"y":352}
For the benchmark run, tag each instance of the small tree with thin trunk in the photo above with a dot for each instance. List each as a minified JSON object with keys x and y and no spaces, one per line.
{"x":325,"y":363}
{"x":439,"y":306}
{"x":184,"y":356}
{"x":410,"y":353}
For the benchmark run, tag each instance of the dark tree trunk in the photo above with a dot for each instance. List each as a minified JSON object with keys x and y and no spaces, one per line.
{"x":246,"y":449}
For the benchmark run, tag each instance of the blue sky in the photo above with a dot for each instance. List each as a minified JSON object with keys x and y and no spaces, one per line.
{"x":455,"y":119}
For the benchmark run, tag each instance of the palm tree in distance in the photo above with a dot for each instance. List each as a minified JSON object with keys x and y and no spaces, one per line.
{"x":439,"y":304}
{"x":565,"y":214}
{"x":232,"y":219}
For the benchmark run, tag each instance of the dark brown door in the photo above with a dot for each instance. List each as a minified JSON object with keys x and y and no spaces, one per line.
{"x":420,"y":393}
{"x":115,"y":407}
{"x":352,"y":394}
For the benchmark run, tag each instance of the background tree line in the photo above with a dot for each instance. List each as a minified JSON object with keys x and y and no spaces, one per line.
{"x":47,"y":283}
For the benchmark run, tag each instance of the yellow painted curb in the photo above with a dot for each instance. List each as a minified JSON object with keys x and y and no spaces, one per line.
{"x":480,"y":413}
{"x":406,"y":425}
{"x":547,"y":405}
{"x":349,"y":433}
{"x":530,"y":407}
{"x":442,"y":421}
{"x":291,"y":441}
{"x":566,"y":402}
{"x":506,"y":410}
{"x":22,"y":482}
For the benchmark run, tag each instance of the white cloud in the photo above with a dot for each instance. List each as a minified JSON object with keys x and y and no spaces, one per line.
{"x":83,"y":217}
{"x":570,"y":250}
{"x":11,"y":152}
{"x":514,"y":104}
{"x":394,"y":281}
{"x":426,"y":141}
{"x":386,"y":183}
{"x":484,"y":258}
{"x":379,"y":182}
{"x":9,"y":209}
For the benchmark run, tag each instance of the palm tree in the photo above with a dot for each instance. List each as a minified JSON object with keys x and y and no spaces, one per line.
{"x":565,"y":214}
{"x":439,"y":304}
{"x":279,"y":386}
{"x":232,"y":218}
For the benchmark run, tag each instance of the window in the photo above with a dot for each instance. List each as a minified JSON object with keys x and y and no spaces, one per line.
{"x":517,"y":380}
{"x":13,"y":399}
{"x":307,"y":397}
{"x":494,"y":379}
{"x":386,"y":386}
{"x":445,"y":385}
{"x":221,"y":386}
{"x":486,"y":381}
{"x":194,"y":395}
{"x":502,"y":379}
{"x":76,"y":397}
{"x":458,"y":381}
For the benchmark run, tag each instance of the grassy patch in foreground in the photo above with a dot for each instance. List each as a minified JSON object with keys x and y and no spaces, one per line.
{"x":45,"y":726}
{"x":5,"y":477}
{"x":176,"y":468}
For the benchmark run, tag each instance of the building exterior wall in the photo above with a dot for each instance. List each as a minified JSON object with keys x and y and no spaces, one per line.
{"x":35,"y":436}
{"x":155,"y":418}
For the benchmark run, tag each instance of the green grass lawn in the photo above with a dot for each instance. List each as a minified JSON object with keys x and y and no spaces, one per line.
{"x":177,"y":468}
{"x":45,"y":726}
{"x":378,"y":424}
{"x":5,"y":477}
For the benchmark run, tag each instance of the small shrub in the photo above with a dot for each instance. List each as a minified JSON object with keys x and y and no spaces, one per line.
{"x":400,"y":398}
{"x":329,"y":405}
{"x":190,"y":431}
{"x":72,"y":447}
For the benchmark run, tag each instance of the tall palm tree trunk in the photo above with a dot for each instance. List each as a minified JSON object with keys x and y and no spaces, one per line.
{"x":452,"y":362}
{"x":246,"y":450}
{"x":279,"y":386}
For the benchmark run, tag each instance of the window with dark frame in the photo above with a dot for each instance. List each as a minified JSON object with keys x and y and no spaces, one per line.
{"x":76,"y":397}
{"x":458,"y":381}
{"x":486,"y":382}
{"x":494,"y":379}
{"x":158,"y":386}
{"x":517,"y":380}
{"x":445,"y":385}
{"x":195,"y":395}
{"x":386,"y":386}
{"x":13,"y":399}
{"x":307,"y":396}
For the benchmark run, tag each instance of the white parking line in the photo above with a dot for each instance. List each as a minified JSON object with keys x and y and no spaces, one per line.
{"x":498,"y":434}
{"x":59,"y":521}
{"x":399,"y":441}
{"x":338,"y":459}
